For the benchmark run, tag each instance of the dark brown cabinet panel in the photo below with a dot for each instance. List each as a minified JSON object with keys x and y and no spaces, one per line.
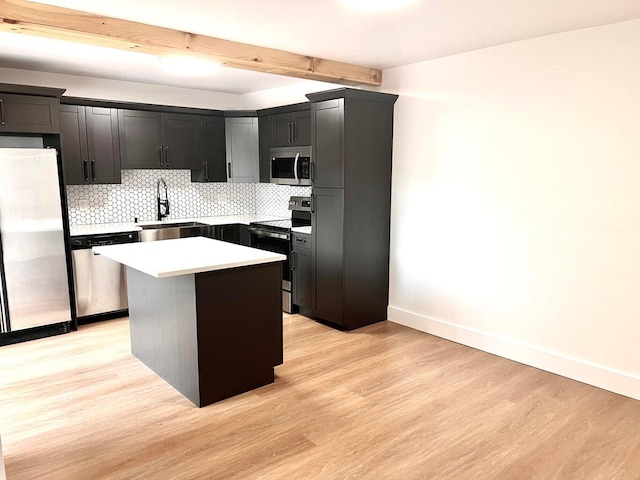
{"x":327,"y":140}
{"x":291,"y":128}
{"x":214,"y":154}
{"x":160,"y":140}
{"x":140,"y":139}
{"x":266,"y":142}
{"x":90,"y":145}
{"x":352,"y":133}
{"x":182,"y":140}
{"x":29,"y":114}
{"x":328,"y":245}
{"x":302,"y":271}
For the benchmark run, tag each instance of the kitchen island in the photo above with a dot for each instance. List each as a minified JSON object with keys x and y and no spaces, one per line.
{"x":205,"y":315}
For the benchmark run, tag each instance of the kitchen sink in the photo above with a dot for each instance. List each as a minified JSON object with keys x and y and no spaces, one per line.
{"x":166,"y":231}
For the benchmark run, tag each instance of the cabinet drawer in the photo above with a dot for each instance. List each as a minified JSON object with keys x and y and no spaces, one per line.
{"x":300,"y":240}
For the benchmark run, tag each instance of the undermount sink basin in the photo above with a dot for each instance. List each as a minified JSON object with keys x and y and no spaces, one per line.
{"x":173,"y":225}
{"x":166,"y":231}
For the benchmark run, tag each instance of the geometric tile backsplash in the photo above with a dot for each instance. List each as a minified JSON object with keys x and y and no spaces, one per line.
{"x":135,"y":197}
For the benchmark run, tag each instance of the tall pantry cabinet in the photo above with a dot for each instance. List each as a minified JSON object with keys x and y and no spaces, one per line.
{"x":351,"y":139}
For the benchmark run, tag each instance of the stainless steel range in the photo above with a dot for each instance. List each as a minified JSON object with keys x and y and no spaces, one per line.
{"x":275,"y":236}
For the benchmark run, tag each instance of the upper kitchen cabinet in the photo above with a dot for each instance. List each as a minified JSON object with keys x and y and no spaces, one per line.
{"x":214,"y":161}
{"x":292,"y":128}
{"x":285,"y":126}
{"x":90,"y":145}
{"x":150,"y":139}
{"x":242,"y":146}
{"x":27,"y":109}
{"x":327,"y":140}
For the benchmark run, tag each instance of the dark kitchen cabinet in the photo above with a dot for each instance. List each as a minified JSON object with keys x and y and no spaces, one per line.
{"x":285,"y":126}
{"x":291,"y":128}
{"x":214,"y":156}
{"x":352,"y":133}
{"x":328,"y":144}
{"x":29,"y":113}
{"x":233,"y":233}
{"x":90,"y":145}
{"x":302,"y":270}
{"x":150,"y":139}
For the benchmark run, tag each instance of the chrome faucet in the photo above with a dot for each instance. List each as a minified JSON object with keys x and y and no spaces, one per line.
{"x":162,"y":203}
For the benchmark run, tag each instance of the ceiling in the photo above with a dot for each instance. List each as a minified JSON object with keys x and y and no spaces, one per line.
{"x":328,"y":29}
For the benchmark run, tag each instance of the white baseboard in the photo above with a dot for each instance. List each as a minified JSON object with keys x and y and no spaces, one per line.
{"x":554,"y":362}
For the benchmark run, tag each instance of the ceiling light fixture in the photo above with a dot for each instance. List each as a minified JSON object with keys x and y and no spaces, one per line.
{"x":378,"y":6}
{"x":188,"y":66}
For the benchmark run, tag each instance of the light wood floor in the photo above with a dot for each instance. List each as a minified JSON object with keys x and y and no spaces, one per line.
{"x":382,"y":402}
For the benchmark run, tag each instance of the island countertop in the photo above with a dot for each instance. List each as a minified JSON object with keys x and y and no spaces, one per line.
{"x":183,"y":256}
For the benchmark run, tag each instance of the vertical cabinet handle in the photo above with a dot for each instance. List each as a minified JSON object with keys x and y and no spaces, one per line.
{"x":229,"y":170}
{"x":2,"y":112}
{"x":166,"y":156}
{"x":293,"y":132}
{"x":206,"y":171}
{"x":290,"y":125}
{"x":312,"y":171}
{"x":293,"y":260}
{"x":160,"y":155}
{"x":85,"y":173}
{"x":93,"y":170}
{"x":312,"y":207}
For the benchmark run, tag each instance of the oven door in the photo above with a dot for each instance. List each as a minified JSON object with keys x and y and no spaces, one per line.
{"x":274,"y":242}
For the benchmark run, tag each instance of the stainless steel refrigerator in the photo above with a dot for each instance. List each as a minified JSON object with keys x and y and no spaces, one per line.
{"x":33,"y":254}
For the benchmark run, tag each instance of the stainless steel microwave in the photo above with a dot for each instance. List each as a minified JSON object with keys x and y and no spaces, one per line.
{"x":290,"y":165}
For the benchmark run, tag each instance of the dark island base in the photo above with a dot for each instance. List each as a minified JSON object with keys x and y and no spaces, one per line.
{"x":210,"y":335}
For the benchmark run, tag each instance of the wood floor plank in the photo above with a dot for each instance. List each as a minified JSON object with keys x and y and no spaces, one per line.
{"x":381,"y":402}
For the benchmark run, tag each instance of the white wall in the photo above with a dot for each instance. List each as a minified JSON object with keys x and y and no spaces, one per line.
{"x":516,"y":202}
{"x":104,"y":89}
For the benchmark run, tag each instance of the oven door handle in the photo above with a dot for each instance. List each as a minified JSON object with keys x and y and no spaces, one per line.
{"x":264,"y":234}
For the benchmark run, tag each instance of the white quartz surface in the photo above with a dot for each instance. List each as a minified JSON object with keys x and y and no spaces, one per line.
{"x":184,"y":256}
{"x":77,"y":230}
{"x":306,"y":230}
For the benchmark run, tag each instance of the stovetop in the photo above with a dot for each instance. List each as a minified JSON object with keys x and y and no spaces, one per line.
{"x":283,"y":225}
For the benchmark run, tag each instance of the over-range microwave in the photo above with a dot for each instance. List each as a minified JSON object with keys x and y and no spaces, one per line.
{"x":290,"y":165}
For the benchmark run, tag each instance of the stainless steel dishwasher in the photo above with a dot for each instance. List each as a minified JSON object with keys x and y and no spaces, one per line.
{"x":100,"y":283}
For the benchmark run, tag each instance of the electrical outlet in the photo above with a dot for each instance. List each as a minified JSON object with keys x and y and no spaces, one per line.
{"x":221,"y":198}
{"x":83,"y":204}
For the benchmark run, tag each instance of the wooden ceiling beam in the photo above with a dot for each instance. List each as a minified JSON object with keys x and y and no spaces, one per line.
{"x":20,"y":16}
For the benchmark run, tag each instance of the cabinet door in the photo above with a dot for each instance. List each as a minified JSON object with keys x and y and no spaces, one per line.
{"x":327,"y":227}
{"x":182,"y":141}
{"x":302,"y":278}
{"x":214,"y":150}
{"x":73,"y":137}
{"x":29,"y":114}
{"x":327,"y":142}
{"x":301,"y":127}
{"x":228,"y":233}
{"x":103,"y":144}
{"x":140,"y":139}
{"x":242,"y":149}
{"x":265,"y":137}
{"x":281,"y":130}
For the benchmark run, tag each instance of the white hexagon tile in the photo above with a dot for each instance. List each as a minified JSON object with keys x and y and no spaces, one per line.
{"x":135,"y":197}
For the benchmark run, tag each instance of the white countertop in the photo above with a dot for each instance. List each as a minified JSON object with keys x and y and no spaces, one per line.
{"x":306,"y":230}
{"x":77,"y":230}
{"x":184,"y":256}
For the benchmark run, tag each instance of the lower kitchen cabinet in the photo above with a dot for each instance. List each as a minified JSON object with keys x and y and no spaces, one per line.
{"x":302,"y":271}
{"x":90,"y":145}
{"x":233,"y":233}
